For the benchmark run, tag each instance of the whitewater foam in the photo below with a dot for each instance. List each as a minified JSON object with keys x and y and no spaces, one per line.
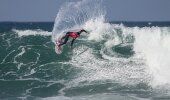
{"x":152,"y":54}
{"x":21,"y":33}
{"x":153,"y":43}
{"x":150,"y":45}
{"x":115,"y":70}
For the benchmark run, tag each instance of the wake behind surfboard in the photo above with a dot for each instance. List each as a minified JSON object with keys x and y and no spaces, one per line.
{"x":58,"y":49}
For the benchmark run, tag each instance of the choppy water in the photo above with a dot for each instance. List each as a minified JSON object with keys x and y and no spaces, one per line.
{"x":116,"y":61}
{"x":132,"y":65}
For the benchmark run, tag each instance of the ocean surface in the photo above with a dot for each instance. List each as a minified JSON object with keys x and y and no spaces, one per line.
{"x":116,"y":61}
{"x":133,"y":66}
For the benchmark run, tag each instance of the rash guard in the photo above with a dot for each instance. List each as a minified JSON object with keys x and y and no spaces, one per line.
{"x":74,"y":35}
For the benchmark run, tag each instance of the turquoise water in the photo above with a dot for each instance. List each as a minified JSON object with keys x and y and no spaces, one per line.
{"x":116,"y":61}
{"x":30,"y":68}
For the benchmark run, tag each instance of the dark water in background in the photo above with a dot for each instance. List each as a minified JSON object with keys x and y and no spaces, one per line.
{"x":48,"y":26}
{"x":30,"y":68}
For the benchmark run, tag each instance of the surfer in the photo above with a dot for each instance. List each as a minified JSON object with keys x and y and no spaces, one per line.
{"x":73,"y":35}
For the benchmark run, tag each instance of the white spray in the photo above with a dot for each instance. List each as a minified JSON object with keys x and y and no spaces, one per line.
{"x":73,"y":15}
{"x":153,"y":43}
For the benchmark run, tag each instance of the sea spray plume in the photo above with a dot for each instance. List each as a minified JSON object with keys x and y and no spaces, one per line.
{"x":73,"y":15}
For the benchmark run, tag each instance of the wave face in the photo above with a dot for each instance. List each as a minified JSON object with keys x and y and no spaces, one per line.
{"x":115,"y":61}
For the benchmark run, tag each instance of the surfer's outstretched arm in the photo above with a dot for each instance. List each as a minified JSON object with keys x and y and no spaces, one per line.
{"x":72,"y":42}
{"x":84,"y":31}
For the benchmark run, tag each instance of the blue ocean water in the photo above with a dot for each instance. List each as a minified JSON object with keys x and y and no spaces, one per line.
{"x":116,"y":61}
{"x":30,"y":68}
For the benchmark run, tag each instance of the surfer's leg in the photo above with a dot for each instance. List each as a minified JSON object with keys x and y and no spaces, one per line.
{"x":65,"y":36}
{"x":65,"y":41}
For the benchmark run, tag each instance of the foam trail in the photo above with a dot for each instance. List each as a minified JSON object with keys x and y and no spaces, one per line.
{"x":116,"y":69}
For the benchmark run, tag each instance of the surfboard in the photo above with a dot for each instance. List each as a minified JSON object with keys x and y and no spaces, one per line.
{"x":58,"y":49}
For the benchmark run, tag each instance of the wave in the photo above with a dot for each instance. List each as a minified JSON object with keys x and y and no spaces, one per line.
{"x":112,"y":58}
{"x":40,"y":32}
{"x":153,"y":43}
{"x":147,"y":49}
{"x":147,"y":46}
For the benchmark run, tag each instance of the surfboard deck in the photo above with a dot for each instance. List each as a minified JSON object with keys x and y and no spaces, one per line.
{"x":58,"y":49}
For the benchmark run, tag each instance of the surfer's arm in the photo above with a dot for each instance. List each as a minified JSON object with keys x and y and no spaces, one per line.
{"x":85,"y":31}
{"x":72,"y":42}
